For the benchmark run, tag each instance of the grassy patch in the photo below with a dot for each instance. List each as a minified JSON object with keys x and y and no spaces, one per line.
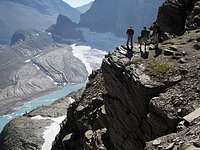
{"x":136,"y":62}
{"x":157,"y":68}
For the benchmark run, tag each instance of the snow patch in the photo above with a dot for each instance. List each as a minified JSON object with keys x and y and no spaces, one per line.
{"x":52,"y":130}
{"x":37,"y":56}
{"x":104,"y":41}
{"x":26,"y":61}
{"x":38,"y":68}
{"x":50,"y":78}
{"x":39,"y":118}
{"x":71,"y":100}
{"x":91,"y":58}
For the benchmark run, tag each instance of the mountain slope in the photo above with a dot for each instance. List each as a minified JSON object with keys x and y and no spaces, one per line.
{"x":116,"y":15}
{"x":25,"y":14}
{"x":32,"y":61}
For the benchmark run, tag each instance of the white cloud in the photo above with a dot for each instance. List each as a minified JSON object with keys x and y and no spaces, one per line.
{"x":77,"y":3}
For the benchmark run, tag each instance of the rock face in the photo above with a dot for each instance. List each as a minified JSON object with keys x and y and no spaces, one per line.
{"x":117,"y":15}
{"x":85,"y":125}
{"x":132,"y":101}
{"x":34,"y":14}
{"x":65,"y":29}
{"x":175,"y":16}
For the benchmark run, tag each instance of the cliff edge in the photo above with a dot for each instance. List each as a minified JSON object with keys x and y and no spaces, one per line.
{"x":131,"y":101}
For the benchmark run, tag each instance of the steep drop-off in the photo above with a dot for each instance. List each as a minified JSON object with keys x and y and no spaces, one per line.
{"x":132,"y":101}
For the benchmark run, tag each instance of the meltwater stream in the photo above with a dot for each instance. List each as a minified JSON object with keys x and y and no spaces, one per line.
{"x":41,"y":101}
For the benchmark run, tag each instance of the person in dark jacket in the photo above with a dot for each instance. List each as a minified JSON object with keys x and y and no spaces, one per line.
{"x":144,"y":37}
{"x":156,"y":34}
{"x":130,"y":33}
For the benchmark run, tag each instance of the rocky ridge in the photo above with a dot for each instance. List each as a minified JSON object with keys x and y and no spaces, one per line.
{"x":132,"y":100}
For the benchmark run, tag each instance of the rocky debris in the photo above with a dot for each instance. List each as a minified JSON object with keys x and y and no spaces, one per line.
{"x":193,"y":20}
{"x":184,"y":140}
{"x":182,"y":99}
{"x":192,"y":116}
{"x":156,"y":142}
{"x":25,"y":133}
{"x":197,"y":46}
{"x":182,"y":61}
{"x":176,"y":16}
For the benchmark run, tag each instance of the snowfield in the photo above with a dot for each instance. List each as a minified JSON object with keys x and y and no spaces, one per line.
{"x":51,"y":131}
{"x":92,"y":58}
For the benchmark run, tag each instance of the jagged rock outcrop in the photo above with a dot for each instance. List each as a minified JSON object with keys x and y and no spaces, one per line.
{"x":132,"y":100}
{"x":65,"y":29}
{"x":85,"y":125}
{"x":176,"y":16}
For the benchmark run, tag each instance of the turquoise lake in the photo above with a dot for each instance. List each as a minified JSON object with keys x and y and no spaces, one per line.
{"x":40,"y":101}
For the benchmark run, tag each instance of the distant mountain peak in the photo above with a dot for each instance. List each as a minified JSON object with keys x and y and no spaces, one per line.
{"x":34,"y":14}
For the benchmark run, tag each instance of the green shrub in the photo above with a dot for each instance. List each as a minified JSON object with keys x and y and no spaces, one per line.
{"x":157,"y":68}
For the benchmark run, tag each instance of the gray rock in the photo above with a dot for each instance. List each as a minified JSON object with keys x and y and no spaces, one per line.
{"x":197,"y":46}
{"x":156,"y":142}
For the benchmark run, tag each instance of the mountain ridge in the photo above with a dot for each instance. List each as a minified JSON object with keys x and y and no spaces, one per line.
{"x":37,"y":15}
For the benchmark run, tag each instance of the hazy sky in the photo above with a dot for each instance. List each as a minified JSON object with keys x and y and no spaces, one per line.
{"x":77,"y":3}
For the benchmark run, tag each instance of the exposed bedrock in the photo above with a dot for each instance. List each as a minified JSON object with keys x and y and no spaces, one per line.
{"x":176,"y":16}
{"x":132,"y":121}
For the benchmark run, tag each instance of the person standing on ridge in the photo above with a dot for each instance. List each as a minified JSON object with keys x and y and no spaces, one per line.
{"x":130,"y":33}
{"x":156,"y":34}
{"x":144,"y":37}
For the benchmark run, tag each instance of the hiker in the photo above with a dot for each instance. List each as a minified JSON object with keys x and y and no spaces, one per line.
{"x":144,"y":37}
{"x":130,"y":33}
{"x":156,"y":35}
